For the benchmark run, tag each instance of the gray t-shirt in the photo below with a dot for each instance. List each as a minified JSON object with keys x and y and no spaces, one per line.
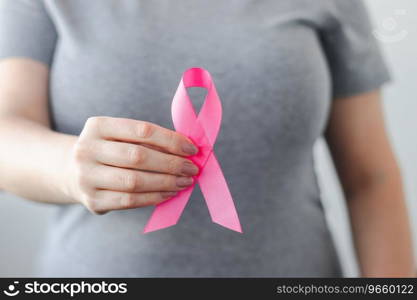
{"x":277,"y":66}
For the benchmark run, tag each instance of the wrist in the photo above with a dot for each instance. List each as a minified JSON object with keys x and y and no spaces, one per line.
{"x":61,"y":185}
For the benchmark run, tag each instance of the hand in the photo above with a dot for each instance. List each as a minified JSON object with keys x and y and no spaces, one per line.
{"x":119,"y":163}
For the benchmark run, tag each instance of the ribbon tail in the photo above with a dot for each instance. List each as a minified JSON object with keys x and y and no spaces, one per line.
{"x":167,"y":213}
{"x":217,"y":195}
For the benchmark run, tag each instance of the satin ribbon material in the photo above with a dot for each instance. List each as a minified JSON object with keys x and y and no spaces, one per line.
{"x":202,"y":130}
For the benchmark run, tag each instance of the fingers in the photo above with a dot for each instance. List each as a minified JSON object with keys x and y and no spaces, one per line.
{"x":135,"y":131}
{"x":103,"y":201}
{"x":127,"y":163}
{"x":132,"y":181}
{"x":126,"y":155}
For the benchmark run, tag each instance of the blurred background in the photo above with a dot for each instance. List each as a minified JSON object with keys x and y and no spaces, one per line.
{"x":22,"y":223}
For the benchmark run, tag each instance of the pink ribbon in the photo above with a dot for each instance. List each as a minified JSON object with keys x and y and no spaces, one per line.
{"x":202,"y":130}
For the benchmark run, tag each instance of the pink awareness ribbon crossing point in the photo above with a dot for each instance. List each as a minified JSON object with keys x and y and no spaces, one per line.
{"x":202,"y":130}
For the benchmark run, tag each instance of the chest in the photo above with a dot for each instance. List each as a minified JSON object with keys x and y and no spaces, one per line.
{"x":125,"y":59}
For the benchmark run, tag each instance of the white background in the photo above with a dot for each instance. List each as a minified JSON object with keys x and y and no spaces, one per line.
{"x":22,"y":223}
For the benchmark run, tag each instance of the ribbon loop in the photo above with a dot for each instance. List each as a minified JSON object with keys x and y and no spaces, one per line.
{"x":202,"y":130}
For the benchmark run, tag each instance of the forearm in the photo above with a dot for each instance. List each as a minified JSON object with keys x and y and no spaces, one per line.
{"x":32,"y":160}
{"x":381,"y":229}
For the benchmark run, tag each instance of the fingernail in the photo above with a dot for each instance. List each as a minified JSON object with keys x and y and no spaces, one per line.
{"x":166,"y":195}
{"x":184,"y":181}
{"x":189,"y":169}
{"x":189,"y":148}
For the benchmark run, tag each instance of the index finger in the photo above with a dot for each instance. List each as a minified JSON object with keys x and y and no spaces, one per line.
{"x":136,"y":131}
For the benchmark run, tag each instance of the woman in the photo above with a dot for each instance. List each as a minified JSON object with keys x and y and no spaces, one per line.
{"x":85,"y":125}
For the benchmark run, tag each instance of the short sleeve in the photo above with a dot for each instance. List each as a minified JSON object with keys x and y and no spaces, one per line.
{"x":26,"y":30}
{"x":355,"y":58}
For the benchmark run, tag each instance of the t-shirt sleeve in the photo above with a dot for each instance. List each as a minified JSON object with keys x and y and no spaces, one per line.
{"x":355,"y":59}
{"x":26,"y":30}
